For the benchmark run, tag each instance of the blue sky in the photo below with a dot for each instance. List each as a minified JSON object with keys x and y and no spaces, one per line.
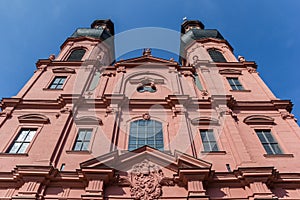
{"x":265,"y":31}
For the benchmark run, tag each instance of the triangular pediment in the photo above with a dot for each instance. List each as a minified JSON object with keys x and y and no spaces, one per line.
{"x":124,"y":160}
{"x":146,"y":60}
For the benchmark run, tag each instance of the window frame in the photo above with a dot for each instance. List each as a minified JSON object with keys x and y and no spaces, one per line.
{"x":75,"y":49}
{"x":74,"y":137}
{"x":207,"y":122}
{"x":16,"y":134}
{"x":56,"y":82}
{"x":215,"y":140}
{"x":83,"y":141}
{"x":217,"y":50}
{"x":47,"y":87}
{"x":163,"y":129}
{"x":239,"y":80}
{"x":273,"y":137}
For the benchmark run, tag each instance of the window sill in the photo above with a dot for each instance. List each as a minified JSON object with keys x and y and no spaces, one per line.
{"x":289,"y":155}
{"x":78,"y":152}
{"x":214,"y":152}
{"x":240,"y":90}
{"x":14,"y":154}
{"x":48,"y":89}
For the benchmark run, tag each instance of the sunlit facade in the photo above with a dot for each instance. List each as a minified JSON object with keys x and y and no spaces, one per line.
{"x":88,"y":126}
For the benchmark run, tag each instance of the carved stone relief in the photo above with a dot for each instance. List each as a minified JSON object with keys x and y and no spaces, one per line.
{"x":146,"y":180}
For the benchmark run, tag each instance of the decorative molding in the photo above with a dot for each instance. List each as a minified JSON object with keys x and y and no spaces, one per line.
{"x":178,"y":110}
{"x":145,"y":181}
{"x":51,"y":57}
{"x":95,"y":187}
{"x":204,"y":92}
{"x":121,"y":69}
{"x":240,"y":90}
{"x":124,"y":158}
{"x":172,"y":70}
{"x":286,"y":155}
{"x":63,"y":70}
{"x":187,"y":73}
{"x":66,"y":110}
{"x":88,"y":120}
{"x":259,"y":119}
{"x":205,"y":121}
{"x":34,"y":118}
{"x":286,"y":115}
{"x":146,"y":80}
{"x":146,"y":116}
{"x":227,"y":111}
{"x":146,"y":60}
{"x":225,"y":47}
{"x":251,"y":70}
{"x":241,"y":59}
{"x":230,"y":71}
{"x":5,"y":114}
{"x":111,"y":109}
{"x":109,"y":74}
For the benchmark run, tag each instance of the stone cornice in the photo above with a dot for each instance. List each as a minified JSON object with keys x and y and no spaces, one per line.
{"x":146,"y":60}
{"x":170,"y":100}
{"x":77,"y":39}
{"x":206,"y":40}
{"x":234,"y":65}
{"x":261,"y":105}
{"x":243,"y":176}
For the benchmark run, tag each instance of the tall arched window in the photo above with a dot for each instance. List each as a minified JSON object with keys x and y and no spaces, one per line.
{"x":76,"y":55}
{"x":216,"y":55}
{"x":146,"y":132}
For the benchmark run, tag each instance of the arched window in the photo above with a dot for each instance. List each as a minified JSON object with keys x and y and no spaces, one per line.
{"x":216,"y":55}
{"x":76,"y":55}
{"x":146,"y":132}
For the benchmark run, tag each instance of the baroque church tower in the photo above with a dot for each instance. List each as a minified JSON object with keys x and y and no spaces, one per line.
{"x":88,"y":126}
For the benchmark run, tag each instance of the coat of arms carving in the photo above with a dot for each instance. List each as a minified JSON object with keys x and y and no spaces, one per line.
{"x":145,"y":181}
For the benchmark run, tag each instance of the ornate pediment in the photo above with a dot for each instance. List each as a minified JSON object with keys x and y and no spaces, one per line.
{"x":88,"y":120}
{"x":123,"y":160}
{"x":146,"y":80}
{"x":230,"y":71}
{"x":146,"y":60}
{"x":34,"y":118}
{"x":63,"y":70}
{"x":146,"y":170}
{"x":259,"y":119}
{"x":205,"y":121}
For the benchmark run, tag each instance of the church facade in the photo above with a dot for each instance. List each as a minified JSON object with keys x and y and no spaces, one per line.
{"x":86,"y":126}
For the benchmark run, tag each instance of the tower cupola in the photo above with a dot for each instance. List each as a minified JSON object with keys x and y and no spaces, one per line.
{"x":105,"y":24}
{"x":191,"y":24}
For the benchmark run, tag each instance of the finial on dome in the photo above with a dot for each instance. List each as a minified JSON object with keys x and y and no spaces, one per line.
{"x":241,"y":58}
{"x":147,"y":52}
{"x":51,"y":57}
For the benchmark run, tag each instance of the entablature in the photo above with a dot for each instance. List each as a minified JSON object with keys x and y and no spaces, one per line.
{"x":261,"y":105}
{"x":207,"y":40}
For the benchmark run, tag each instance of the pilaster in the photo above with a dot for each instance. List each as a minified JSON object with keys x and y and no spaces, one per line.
{"x":257,"y":179}
{"x":95,"y":182}
{"x":34,"y":179}
{"x":194,"y":179}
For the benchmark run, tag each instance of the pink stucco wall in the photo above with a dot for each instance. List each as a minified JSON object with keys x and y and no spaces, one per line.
{"x":185,"y":170}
